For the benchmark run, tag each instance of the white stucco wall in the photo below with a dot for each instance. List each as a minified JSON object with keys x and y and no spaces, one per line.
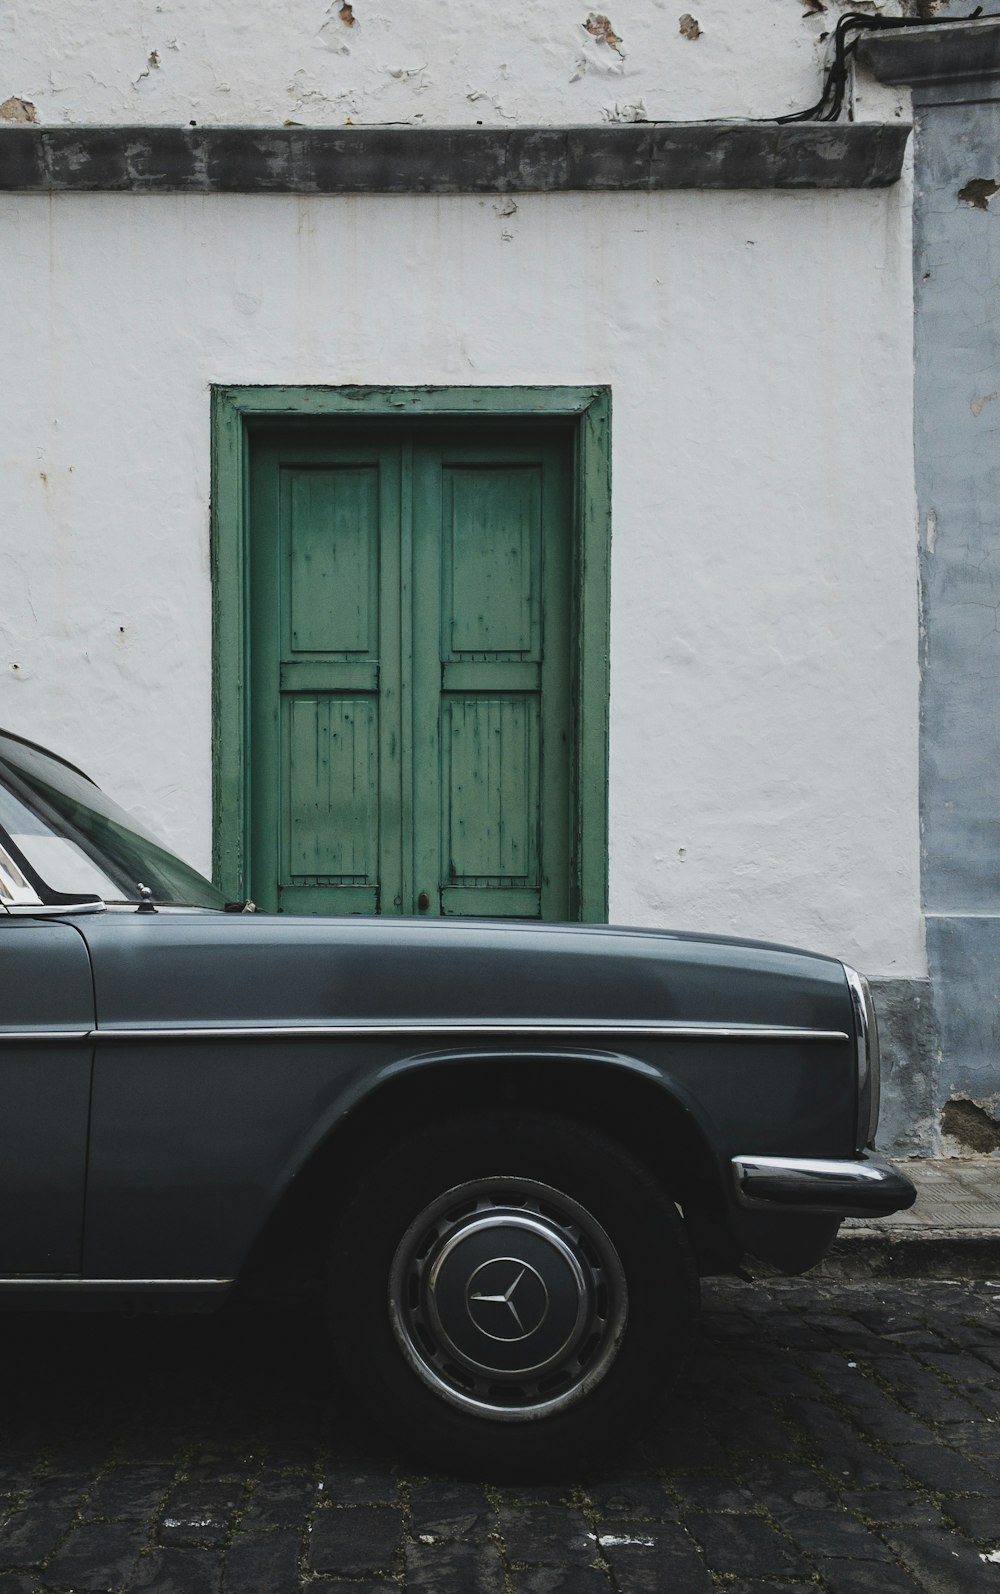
{"x":764,"y":646}
{"x":456,"y":61}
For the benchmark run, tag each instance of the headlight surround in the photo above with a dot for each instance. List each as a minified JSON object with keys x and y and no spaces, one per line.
{"x":869,"y":1065}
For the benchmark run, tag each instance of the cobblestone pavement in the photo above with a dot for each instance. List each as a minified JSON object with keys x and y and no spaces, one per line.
{"x":825,"y":1436}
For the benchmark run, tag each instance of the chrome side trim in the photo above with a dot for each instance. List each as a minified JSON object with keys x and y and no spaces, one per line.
{"x":25,"y":1281}
{"x":866,"y":1187}
{"x":40,"y":1037}
{"x":554,"y":1028}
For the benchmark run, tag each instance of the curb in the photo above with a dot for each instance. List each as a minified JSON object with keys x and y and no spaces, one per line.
{"x":868,"y":1253}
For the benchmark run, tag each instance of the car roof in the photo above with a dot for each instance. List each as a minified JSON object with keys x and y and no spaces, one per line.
{"x":12,"y":736}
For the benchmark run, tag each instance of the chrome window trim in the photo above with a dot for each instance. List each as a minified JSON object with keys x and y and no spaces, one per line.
{"x":16,"y":893}
{"x":55,"y":910}
{"x":360,"y":1030}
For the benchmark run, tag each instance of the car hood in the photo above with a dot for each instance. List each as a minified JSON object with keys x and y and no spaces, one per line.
{"x":206,"y":968}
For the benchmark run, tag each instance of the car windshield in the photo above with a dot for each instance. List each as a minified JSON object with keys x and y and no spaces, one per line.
{"x":78,"y":843}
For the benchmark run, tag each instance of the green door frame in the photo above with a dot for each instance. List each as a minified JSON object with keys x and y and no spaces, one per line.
{"x":587,"y":410}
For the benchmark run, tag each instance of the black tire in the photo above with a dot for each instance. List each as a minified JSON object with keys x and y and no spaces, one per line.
{"x":556,"y":1364}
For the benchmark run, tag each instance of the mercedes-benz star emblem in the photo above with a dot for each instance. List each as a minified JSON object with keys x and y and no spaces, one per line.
{"x":507,"y":1299}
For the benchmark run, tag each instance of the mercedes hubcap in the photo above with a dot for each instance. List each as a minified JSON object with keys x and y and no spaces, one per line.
{"x":508,"y":1298}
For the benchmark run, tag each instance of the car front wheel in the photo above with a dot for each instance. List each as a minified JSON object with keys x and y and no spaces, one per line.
{"x":507,"y":1291}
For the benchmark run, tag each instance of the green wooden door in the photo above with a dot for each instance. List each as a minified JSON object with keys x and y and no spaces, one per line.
{"x":410,"y":644}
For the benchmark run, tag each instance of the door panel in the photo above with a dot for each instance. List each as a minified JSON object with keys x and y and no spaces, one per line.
{"x":46,"y":986}
{"x":491,"y":536}
{"x":410,"y":639}
{"x":325,"y":753}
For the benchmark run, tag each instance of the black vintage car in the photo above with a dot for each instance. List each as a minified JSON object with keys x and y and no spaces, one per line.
{"x":506,"y":1150}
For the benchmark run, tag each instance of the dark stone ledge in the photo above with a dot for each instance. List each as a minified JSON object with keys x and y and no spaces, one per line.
{"x":948,"y":53}
{"x":468,"y":160}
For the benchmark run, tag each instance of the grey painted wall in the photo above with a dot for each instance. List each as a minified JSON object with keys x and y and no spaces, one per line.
{"x":943,"y":1085}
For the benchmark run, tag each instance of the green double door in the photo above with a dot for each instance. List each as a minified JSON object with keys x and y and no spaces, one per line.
{"x":410,"y":672}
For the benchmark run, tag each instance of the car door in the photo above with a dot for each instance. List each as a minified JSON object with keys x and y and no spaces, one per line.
{"x":46,"y":1052}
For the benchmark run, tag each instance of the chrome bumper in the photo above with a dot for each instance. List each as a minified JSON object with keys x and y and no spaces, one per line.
{"x":867,"y":1187}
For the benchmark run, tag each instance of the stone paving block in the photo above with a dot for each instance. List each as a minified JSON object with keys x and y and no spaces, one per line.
{"x":632,"y":1496}
{"x":179,"y":1572}
{"x":323,"y":1586}
{"x":892,"y":1505}
{"x":670,"y":1563}
{"x":943,"y":1469}
{"x":833,"y":1533}
{"x":741,"y":1587}
{"x":872,"y":1409}
{"x":222,"y":1465}
{"x":867,"y":1577}
{"x":442,"y":1510}
{"x":978,"y":1440}
{"x":281,"y":1500}
{"x":561,"y":1580}
{"x":30,"y":1535}
{"x":943,"y":1562}
{"x":354,"y":1540}
{"x":454,"y":1569}
{"x":977,"y":1519}
{"x":860,"y":1467}
{"x":259,"y":1562}
{"x":129,"y":1492}
{"x":915,"y":1383}
{"x":352,"y":1487}
{"x":985,"y":1400}
{"x":199,"y":1513}
{"x":745,"y":1544}
{"x":712,"y":1494}
{"x":547,"y":1536}
{"x":99,"y":1555}
{"x":964,"y":1368}
{"x":59,"y":1492}
{"x":16,"y":1469}
{"x":789,"y":1483}
{"x":919,"y":1339}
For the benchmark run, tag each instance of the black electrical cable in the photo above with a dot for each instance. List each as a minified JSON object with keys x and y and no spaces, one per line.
{"x":831,"y":102}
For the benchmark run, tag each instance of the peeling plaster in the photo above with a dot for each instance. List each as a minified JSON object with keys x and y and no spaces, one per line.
{"x":971,"y":1124}
{"x":600,"y":26}
{"x":979,"y":191}
{"x":977,"y":405}
{"x":15,"y":109}
{"x":230,"y":62}
{"x":689,"y":28}
{"x":629,"y":112}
